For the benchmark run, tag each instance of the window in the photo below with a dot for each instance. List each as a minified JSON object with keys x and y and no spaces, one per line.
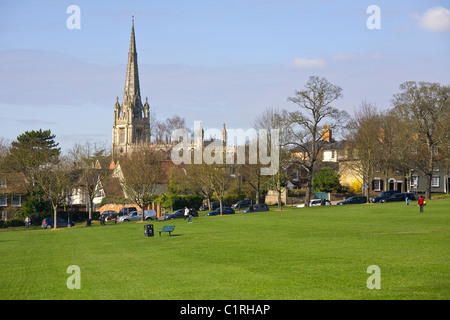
{"x":121,"y":136}
{"x":329,"y":155}
{"x":3,"y":202}
{"x":414,"y":182}
{"x":295,"y":174}
{"x":99,"y":193}
{"x":16,"y":200}
{"x":377,"y":184}
{"x":435,"y":181}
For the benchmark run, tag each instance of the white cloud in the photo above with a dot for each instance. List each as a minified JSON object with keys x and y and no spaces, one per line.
{"x":436,"y":19}
{"x":309,"y":63}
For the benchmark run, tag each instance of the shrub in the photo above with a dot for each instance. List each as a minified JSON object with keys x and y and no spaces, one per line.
{"x":326,"y":180}
{"x":296,"y":193}
{"x":11,"y":223}
{"x":175,"y":202}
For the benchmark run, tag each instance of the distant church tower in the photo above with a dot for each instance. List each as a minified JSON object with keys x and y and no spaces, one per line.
{"x":131,"y":118}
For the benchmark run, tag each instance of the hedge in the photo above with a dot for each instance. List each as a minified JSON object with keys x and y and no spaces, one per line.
{"x":175,"y":202}
{"x":11,"y":223}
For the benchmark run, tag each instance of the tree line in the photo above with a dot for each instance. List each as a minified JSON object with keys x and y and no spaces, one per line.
{"x":412,"y":134}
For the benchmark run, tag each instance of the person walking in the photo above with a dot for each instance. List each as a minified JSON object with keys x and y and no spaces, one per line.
{"x":186,"y":214}
{"x":27,"y":222}
{"x":421,"y":203}
{"x":407,"y":198}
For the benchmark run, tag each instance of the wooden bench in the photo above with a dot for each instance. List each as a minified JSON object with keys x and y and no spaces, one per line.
{"x":168,"y":229}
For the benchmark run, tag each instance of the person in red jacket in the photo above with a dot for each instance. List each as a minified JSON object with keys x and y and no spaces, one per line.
{"x":421,"y":203}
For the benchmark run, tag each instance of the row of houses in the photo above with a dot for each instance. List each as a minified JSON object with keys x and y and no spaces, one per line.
{"x":337,"y":155}
{"x":14,"y":190}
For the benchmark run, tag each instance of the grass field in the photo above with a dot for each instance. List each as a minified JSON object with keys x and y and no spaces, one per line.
{"x":308,"y":253}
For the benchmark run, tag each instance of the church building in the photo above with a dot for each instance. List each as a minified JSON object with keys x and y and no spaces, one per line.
{"x":131,"y":118}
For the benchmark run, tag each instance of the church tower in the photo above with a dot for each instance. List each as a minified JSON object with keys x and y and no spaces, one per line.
{"x":131,"y":118}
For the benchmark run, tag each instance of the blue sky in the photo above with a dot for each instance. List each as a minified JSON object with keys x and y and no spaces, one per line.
{"x":215,"y":61}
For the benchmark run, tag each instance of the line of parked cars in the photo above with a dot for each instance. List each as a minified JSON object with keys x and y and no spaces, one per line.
{"x":180,"y":214}
{"x":131,"y":214}
{"x":249,"y":204}
{"x":394,"y":195}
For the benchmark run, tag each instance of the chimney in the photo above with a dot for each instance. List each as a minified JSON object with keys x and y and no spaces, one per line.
{"x":326,"y":133}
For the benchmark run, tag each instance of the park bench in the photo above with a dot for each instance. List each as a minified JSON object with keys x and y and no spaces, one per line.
{"x":168,"y":229}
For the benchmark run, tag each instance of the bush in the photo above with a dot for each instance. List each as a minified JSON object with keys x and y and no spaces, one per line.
{"x":326,"y":180}
{"x":77,"y":216}
{"x":11,"y":223}
{"x":190,"y":201}
{"x":175,"y":202}
{"x":296,"y":193}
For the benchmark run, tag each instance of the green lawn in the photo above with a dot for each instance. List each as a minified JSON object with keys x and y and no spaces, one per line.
{"x":308,"y":253}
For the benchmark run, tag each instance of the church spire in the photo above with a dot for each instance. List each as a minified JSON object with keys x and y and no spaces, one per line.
{"x":131,"y":119}
{"x":132,"y":94}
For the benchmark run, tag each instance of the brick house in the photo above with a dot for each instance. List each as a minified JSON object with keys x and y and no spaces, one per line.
{"x":13,"y":191}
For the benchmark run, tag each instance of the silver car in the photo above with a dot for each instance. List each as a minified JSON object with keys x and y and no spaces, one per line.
{"x":137,"y":216}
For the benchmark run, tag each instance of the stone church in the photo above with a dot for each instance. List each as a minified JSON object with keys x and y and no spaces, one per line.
{"x":131,"y":118}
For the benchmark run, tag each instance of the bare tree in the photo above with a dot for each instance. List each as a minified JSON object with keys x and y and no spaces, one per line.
{"x":198,"y":180}
{"x":251,"y":174}
{"x":142,"y":173}
{"x":425,"y":107}
{"x":55,"y":182}
{"x":306,"y":124}
{"x":90,"y":168}
{"x":388,"y":159}
{"x":5,"y":145}
{"x":163,"y":130}
{"x":275,"y":119}
{"x":364,"y":140}
{"x":221,"y":181}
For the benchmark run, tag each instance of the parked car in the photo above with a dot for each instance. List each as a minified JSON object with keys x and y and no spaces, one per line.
{"x":353,"y":200}
{"x":256,"y":208}
{"x":109,"y":215}
{"x":316,"y":202}
{"x":384,"y":195}
{"x":48,"y":223}
{"x":137,"y":216}
{"x":319,"y":202}
{"x":242,"y":204}
{"x":400,"y":197}
{"x":125,"y":211}
{"x":150,"y":215}
{"x":225,"y":210}
{"x":180,"y":214}
{"x":132,"y":216}
{"x":213,"y":206}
